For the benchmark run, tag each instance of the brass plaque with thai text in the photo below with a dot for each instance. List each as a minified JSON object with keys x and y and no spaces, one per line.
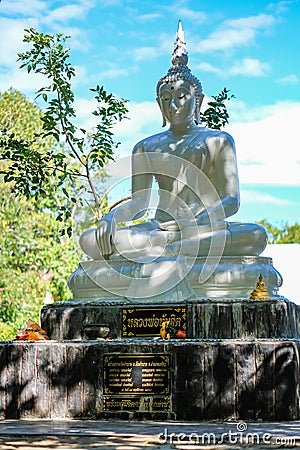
{"x":136,"y":374}
{"x":146,"y":322}
{"x":136,"y":403}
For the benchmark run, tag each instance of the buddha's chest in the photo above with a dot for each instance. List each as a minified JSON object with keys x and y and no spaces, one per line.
{"x":183,"y":156}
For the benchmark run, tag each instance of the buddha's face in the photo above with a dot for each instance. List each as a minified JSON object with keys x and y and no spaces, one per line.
{"x":177,"y":102}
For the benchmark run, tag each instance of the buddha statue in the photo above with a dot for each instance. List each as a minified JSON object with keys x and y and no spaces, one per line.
{"x":189,"y":249}
{"x":260,"y":292}
{"x":196,"y":171}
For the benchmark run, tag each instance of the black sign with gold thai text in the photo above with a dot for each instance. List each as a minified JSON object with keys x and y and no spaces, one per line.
{"x":136,"y":403}
{"x":136,"y":374}
{"x":146,"y":322}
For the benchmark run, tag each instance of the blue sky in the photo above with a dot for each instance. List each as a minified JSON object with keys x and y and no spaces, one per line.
{"x":250,"y":47}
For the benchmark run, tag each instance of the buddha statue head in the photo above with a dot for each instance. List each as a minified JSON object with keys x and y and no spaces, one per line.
{"x":180,"y":71}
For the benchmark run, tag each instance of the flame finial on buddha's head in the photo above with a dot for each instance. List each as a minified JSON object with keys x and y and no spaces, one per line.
{"x":180,"y":71}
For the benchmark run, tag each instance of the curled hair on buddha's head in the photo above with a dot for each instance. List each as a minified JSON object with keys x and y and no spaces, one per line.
{"x":180,"y":71}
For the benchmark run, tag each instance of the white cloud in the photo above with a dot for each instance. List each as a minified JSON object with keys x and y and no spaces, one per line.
{"x":267,"y":146}
{"x":226,"y":39}
{"x":280,"y":7}
{"x":250,"y":196}
{"x":67,"y":13}
{"x":207,"y":67}
{"x":145,"y":53}
{"x":145,"y":120}
{"x":11,"y":37}
{"x":240,"y":112}
{"x":235,"y":33}
{"x":196,"y":16}
{"x":21,"y":80}
{"x":19,"y":7}
{"x":251,"y":22}
{"x":250,"y":67}
{"x":266,"y":149}
{"x":110,"y":3}
{"x":289,"y":79}
{"x":148,"y":17}
{"x":179,"y":10}
{"x":113,"y":73}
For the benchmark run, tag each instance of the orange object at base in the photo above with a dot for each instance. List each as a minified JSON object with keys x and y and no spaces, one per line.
{"x":33,"y":332}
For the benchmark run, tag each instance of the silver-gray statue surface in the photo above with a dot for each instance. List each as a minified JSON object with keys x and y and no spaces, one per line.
{"x":188,"y":248}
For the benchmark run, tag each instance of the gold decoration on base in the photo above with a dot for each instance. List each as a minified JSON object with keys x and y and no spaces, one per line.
{"x":260,"y":292}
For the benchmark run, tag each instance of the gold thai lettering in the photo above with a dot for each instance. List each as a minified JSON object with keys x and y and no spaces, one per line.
{"x":153,"y":321}
{"x":149,"y":324}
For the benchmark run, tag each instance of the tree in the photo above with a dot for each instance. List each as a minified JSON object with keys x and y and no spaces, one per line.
{"x":288,"y":234}
{"x":216,"y":116}
{"x":22,"y":118}
{"x":36,"y":261}
{"x":83,"y":152}
{"x":32,"y":263}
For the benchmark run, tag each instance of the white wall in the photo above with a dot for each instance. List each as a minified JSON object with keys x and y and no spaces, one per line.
{"x":286,"y":259}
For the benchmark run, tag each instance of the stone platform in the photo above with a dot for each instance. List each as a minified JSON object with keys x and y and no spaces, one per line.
{"x":240,"y":358}
{"x":254,"y":379}
{"x":200,"y":318}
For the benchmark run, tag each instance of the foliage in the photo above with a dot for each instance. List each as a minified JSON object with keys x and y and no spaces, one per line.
{"x":22,"y":157}
{"x":35,"y":261}
{"x":32,"y":263}
{"x":49,"y":56}
{"x":22,"y":118}
{"x":287,"y":234}
{"x":22,"y":297}
{"x":45,"y":158}
{"x":216,"y":116}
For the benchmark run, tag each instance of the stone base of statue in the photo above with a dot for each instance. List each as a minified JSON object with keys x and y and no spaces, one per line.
{"x":225,"y":318}
{"x":192,"y":379}
{"x":231,"y":358}
{"x":213,"y":293}
{"x":173,"y":278}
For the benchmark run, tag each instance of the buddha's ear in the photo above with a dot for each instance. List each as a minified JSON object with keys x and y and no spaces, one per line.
{"x":164,"y":119}
{"x":197,"y":115}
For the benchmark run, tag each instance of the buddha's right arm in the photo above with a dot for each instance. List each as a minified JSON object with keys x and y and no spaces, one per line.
{"x":107,"y":226}
{"x":136,"y":207}
{"x":133,"y":209}
{"x":141,"y":183}
{"x":126,"y":212}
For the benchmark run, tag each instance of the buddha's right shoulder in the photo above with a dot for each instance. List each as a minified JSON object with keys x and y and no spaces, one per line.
{"x":148,"y":144}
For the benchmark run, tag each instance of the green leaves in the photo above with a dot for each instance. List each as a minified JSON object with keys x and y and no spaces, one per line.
{"x":31,"y":245}
{"x":76,"y":153}
{"x":110,"y":110}
{"x":28,"y":166}
{"x":286,"y":234}
{"x":216,"y":116}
